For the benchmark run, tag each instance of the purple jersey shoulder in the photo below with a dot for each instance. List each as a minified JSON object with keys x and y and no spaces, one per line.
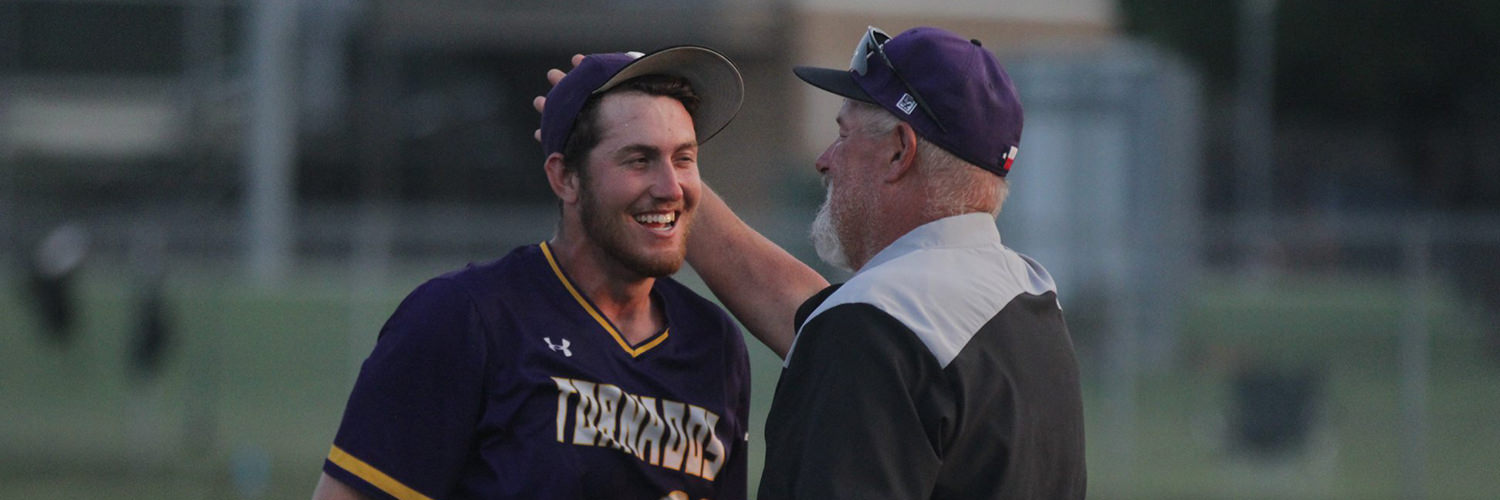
{"x":498,"y":380}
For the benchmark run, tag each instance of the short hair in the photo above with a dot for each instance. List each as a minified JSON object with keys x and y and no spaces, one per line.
{"x":954,"y":186}
{"x":586,"y":135}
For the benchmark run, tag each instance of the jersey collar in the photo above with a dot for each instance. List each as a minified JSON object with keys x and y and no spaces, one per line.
{"x":599,"y":317}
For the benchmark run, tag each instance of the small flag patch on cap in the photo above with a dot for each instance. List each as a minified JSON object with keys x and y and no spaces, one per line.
{"x":1007,"y":158}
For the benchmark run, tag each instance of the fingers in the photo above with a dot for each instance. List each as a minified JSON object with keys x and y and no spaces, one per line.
{"x":556,"y":75}
{"x":539,"y":103}
{"x":553,"y":76}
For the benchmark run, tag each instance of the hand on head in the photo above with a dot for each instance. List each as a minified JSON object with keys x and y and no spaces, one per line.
{"x":554,"y":75}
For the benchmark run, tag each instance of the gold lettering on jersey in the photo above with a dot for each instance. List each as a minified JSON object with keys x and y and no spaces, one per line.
{"x":632,"y":415}
{"x":609,"y":398}
{"x":671,"y":456}
{"x":564,"y":389}
{"x":694,"y":431}
{"x":650,"y":433}
{"x":698,"y":429}
{"x":715,"y":448}
{"x":660,"y":432}
{"x":584,"y":430}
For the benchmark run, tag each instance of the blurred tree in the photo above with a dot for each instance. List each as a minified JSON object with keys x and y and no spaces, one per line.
{"x":1201,"y":31}
{"x":1425,"y":74}
{"x":1416,"y":84}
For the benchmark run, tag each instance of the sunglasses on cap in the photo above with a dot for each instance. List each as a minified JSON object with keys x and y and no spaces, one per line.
{"x":871,"y":45}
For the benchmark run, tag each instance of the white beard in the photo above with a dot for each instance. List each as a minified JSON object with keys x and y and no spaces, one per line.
{"x":825,"y":236}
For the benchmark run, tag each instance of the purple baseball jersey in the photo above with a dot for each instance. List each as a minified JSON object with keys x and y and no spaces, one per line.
{"x":501,"y":380}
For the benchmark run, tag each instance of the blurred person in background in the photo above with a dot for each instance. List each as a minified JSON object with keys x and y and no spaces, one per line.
{"x":574,"y":368}
{"x":50,"y":280}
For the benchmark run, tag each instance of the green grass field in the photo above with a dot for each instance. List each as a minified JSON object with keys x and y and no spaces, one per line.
{"x":253,"y":390}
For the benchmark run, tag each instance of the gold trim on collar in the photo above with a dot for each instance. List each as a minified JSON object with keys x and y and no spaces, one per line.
{"x":589,"y":308}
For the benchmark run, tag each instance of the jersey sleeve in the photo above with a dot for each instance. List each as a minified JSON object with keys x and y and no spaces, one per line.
{"x":410,"y":421}
{"x":845,"y":422}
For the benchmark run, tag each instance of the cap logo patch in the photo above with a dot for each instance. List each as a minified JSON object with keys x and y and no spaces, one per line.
{"x":906,"y":104}
{"x":1008,"y":158}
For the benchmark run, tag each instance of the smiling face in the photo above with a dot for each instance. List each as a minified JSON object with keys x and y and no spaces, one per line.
{"x":640,"y":185}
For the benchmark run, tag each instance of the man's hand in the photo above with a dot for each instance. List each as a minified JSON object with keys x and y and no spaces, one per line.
{"x":554,"y":75}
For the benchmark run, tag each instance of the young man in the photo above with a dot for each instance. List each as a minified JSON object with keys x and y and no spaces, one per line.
{"x":574,"y":368}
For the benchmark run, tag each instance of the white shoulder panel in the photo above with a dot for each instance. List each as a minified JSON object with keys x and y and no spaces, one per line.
{"x":944,"y":295}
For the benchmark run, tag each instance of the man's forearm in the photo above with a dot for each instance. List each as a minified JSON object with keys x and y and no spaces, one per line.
{"x":758,"y":281}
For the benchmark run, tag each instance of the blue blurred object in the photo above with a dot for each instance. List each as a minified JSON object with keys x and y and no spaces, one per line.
{"x":56,"y":259}
{"x":250,"y":471}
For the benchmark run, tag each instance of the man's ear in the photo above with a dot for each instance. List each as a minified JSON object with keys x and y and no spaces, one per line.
{"x":904,"y":155}
{"x":564,"y":182}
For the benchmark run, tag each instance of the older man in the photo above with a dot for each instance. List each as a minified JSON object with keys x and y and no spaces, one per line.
{"x":943,"y":368}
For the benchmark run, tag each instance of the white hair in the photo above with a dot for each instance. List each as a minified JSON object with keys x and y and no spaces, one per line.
{"x":825,"y":235}
{"x":954,"y":186}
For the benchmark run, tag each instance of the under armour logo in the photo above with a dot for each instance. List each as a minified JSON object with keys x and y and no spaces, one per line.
{"x":562,"y":348}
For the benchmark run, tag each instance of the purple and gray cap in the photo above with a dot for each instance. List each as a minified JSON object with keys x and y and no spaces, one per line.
{"x":952,"y":91}
{"x":714,"y":79}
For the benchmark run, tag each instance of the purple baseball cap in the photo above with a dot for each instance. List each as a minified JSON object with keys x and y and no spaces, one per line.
{"x":952,"y":91}
{"x":716,"y":81}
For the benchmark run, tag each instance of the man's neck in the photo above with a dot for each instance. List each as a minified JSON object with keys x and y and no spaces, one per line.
{"x":899,"y":212}
{"x":620,"y":294}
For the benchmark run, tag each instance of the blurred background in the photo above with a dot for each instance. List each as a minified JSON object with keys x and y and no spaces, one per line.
{"x":1274,"y":224}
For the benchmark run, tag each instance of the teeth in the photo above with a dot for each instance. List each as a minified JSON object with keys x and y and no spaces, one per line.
{"x":663,"y":218}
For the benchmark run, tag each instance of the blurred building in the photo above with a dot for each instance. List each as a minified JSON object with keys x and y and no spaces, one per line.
{"x":148,"y":104}
{"x":762,"y":161}
{"x":259,"y":134}
{"x":256,"y":136}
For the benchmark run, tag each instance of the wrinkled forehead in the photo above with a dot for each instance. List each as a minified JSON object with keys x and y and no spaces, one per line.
{"x":855,"y":113}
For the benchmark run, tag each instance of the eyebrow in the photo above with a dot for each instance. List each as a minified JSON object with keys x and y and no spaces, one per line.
{"x":649,"y":150}
{"x":637,"y":148}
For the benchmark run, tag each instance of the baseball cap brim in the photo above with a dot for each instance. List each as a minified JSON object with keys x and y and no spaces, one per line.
{"x":838,"y":81}
{"x":716,"y":81}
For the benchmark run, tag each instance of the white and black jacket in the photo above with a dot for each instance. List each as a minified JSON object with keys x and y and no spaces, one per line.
{"x":942,"y":369}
